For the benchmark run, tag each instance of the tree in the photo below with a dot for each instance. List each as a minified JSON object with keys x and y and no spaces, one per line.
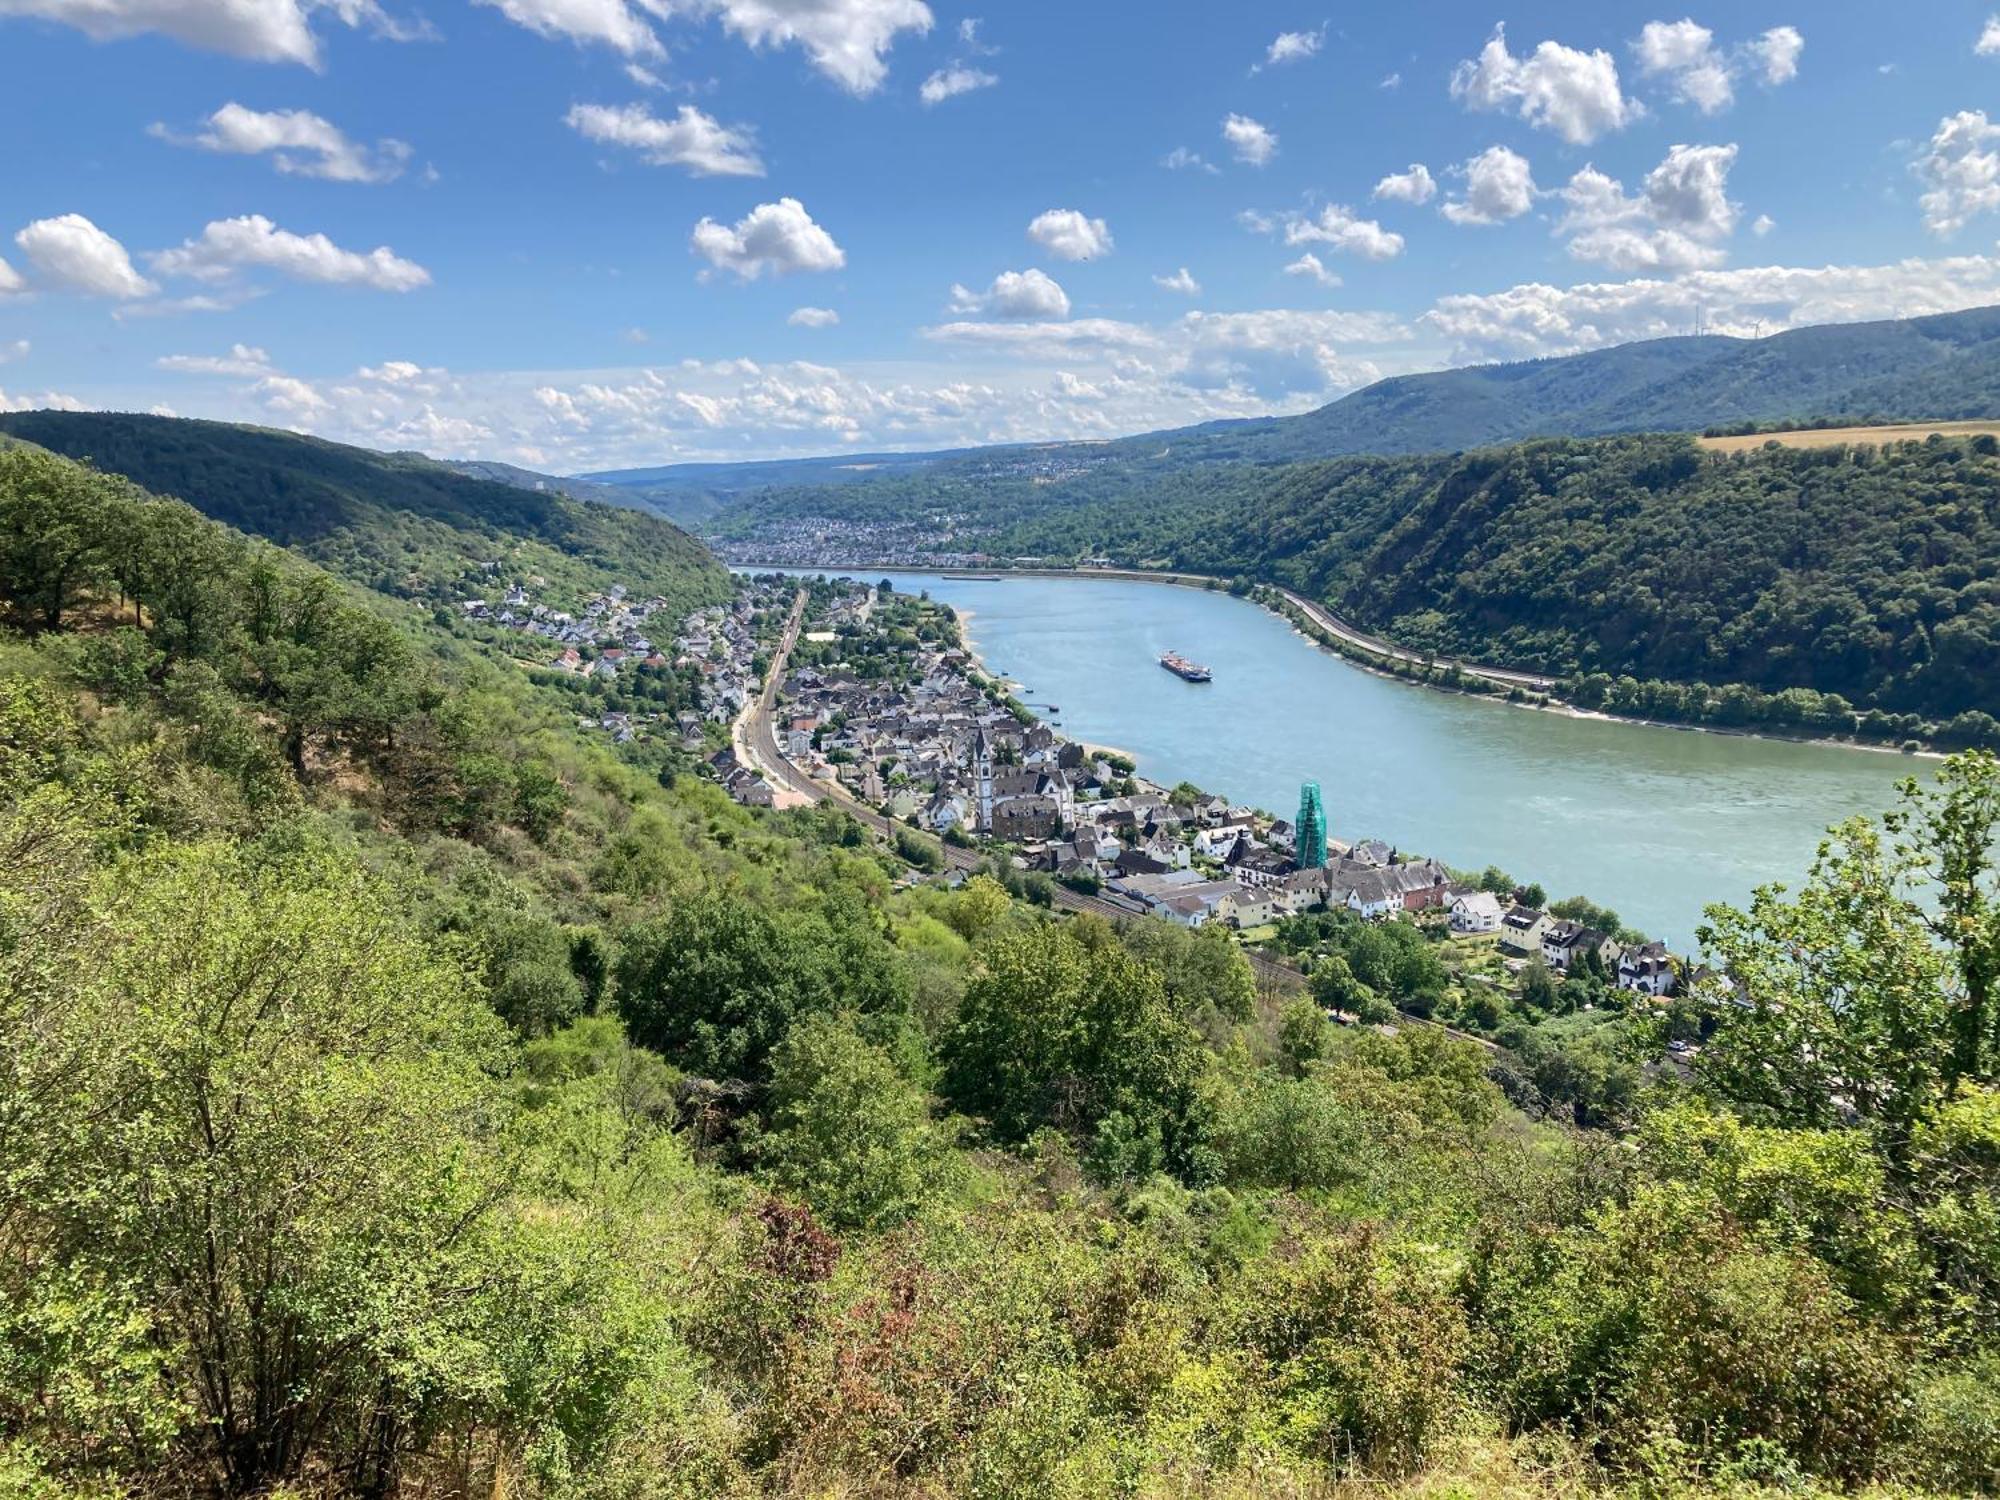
{"x":1066,"y":1028}
{"x":718,"y":982}
{"x":1304,"y":1034}
{"x":55,"y":526}
{"x":848,"y":1132}
{"x":1203,"y":967}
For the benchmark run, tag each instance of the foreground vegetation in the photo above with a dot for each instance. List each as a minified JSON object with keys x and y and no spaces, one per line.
{"x":400,"y":1096}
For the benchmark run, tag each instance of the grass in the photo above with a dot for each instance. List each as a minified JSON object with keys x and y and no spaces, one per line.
{"x":1828,"y":437}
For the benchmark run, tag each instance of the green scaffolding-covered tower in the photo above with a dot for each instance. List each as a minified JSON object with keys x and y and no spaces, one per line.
{"x":1309,"y":835}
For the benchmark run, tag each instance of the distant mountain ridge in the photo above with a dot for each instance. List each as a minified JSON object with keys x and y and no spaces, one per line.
{"x":1938,"y":367}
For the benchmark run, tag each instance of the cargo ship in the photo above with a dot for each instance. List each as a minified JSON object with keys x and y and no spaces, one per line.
{"x":1181,"y":667}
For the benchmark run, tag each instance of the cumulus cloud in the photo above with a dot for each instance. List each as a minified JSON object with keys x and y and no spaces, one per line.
{"x":1281,"y":352}
{"x":1016,"y":295}
{"x":229,"y":247}
{"x":1414,"y":186}
{"x":242,"y":359}
{"x":1532,"y":320}
{"x":1988,"y":44}
{"x":69,"y":251}
{"x":44,"y":401}
{"x":1776,"y":53}
{"x":1960,"y":169}
{"x":1069,"y":235}
{"x":690,"y":139}
{"x":1181,"y":281}
{"x":1764,"y":225}
{"x":846,"y":40}
{"x":1575,"y":94}
{"x":260,"y":30}
{"x":1676,"y":223}
{"x":772,"y":239}
{"x":1702,"y":75}
{"x":1498,"y":186}
{"x":1310,"y":266}
{"x":949,"y":83}
{"x":1252,"y":142}
{"x":1340,"y":228}
{"x":297,"y":141}
{"x":11,"y":280}
{"x":1294,"y":46}
{"x":813,"y":317}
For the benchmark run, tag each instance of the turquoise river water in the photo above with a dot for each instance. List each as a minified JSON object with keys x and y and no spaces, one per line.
{"x":1653,"y":822}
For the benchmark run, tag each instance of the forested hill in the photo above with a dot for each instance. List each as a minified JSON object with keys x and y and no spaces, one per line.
{"x":1864,"y":572}
{"x":396,"y":522}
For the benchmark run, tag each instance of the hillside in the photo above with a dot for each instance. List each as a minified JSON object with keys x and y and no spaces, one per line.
{"x":1863,"y":572}
{"x":403,"y":1098}
{"x":398,"y":523}
{"x":1932,"y":368}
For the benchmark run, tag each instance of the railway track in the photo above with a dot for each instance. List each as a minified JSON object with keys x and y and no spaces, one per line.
{"x":761,"y":740}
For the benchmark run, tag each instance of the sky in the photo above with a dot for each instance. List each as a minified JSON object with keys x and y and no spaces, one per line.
{"x":585,"y":234}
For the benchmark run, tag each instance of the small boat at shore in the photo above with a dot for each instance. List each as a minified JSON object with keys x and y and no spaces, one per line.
{"x":1188,"y":671}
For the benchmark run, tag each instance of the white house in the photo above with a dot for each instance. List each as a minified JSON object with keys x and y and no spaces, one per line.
{"x":1476,"y":911}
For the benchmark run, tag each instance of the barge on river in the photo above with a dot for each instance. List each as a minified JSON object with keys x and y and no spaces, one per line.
{"x":1181,"y":667}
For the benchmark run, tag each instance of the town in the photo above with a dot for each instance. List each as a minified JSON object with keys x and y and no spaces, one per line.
{"x":883,"y":699}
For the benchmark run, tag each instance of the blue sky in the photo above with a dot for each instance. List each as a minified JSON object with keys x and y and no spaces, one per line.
{"x":583,"y":233}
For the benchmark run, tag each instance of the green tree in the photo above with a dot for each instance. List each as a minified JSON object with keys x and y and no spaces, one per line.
{"x":848,"y":1132}
{"x":1064,"y":1027}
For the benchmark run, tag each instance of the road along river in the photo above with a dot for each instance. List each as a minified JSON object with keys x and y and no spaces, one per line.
{"x":1654,"y":822}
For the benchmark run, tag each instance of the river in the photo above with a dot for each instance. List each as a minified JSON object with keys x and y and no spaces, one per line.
{"x":1653,"y":822}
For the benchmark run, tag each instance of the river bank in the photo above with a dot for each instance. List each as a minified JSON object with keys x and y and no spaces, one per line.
{"x":1509,"y":686}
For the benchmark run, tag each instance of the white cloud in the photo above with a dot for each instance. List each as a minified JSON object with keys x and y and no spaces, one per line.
{"x":1961,"y":169}
{"x":1282,"y":352}
{"x":1575,"y":94}
{"x":949,"y":83}
{"x":1041,"y":339}
{"x":1498,"y":186}
{"x":847,"y":40}
{"x":609,"y":23}
{"x":1339,"y":227}
{"x":298,"y":142}
{"x":1703,"y":75}
{"x":1069,"y":235}
{"x":1414,"y":186}
{"x":1988,"y":44}
{"x":242,"y":359}
{"x":813,"y":317}
{"x":291,"y":397}
{"x":11,"y":280}
{"x":1764,"y":225}
{"x":1252,"y":142}
{"x":45,"y":401}
{"x":644,"y":76}
{"x":1181,"y":281}
{"x":1294,"y":46}
{"x":1180,"y":159}
{"x":1532,"y":320}
{"x":1677,"y":222}
{"x":227,"y":247}
{"x":1685,"y":53}
{"x":777,"y":238}
{"x":690,"y":139}
{"x":1310,"y":265}
{"x":260,"y":30}
{"x":1776,"y":53}
{"x":400,"y":372}
{"x":1023,"y":296}
{"x":72,"y":252}
{"x":18,"y":349}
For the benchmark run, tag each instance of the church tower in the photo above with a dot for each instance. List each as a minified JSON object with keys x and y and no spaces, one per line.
{"x":1309,"y":832}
